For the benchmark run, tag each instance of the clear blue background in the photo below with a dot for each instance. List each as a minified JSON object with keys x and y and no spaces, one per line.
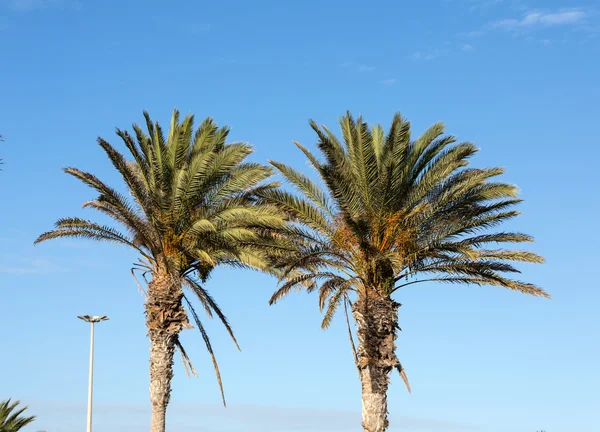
{"x":519,"y":78}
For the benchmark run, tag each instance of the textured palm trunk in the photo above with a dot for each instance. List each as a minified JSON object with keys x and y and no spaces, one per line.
{"x":165,"y":318}
{"x":377,"y":320}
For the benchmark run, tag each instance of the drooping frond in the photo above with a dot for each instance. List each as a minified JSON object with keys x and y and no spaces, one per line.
{"x":298,"y":282}
{"x":210,"y":306}
{"x":187,"y":362}
{"x":334,"y":303}
{"x":350,"y":336}
{"x":208,"y":346}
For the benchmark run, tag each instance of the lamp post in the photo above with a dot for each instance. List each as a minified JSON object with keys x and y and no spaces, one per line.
{"x":92,"y":320}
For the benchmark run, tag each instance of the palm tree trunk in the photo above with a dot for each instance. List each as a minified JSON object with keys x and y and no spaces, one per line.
{"x":162,"y":348}
{"x":165,"y":318}
{"x":377,"y":320}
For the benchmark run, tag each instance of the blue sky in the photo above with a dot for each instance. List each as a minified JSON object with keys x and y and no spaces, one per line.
{"x":518,"y":78}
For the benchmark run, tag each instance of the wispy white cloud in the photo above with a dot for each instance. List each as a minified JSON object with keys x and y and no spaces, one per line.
{"x":475,"y":33}
{"x":358,"y":67}
{"x":389,"y":81}
{"x":534,"y":19}
{"x":467,"y":48}
{"x":366,"y":68}
{"x":429,"y":55}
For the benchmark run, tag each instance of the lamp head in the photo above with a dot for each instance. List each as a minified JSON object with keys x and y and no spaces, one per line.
{"x":92,"y":319}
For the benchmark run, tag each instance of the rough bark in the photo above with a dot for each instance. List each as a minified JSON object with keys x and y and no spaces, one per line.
{"x":165,"y":318}
{"x":377,"y":321}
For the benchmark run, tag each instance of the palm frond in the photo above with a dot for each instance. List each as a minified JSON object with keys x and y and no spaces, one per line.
{"x":210,"y":306}
{"x":334,"y":303}
{"x":11,"y":417}
{"x":305,"y":186}
{"x":208,"y":347}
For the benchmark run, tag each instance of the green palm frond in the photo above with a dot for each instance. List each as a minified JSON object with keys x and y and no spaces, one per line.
{"x":208,"y":345}
{"x":298,"y":282}
{"x":210,"y":306}
{"x":335,"y":301}
{"x":298,"y":209}
{"x":306,"y":187}
{"x":11,"y":416}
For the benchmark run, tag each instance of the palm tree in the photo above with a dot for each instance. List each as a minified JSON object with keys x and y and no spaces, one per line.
{"x":11,"y":419}
{"x":193,"y":208}
{"x":393,"y":212}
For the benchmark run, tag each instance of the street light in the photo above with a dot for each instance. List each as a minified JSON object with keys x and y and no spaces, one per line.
{"x":92,"y":320}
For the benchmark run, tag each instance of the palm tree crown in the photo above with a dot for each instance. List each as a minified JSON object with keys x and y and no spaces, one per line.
{"x":11,"y":418}
{"x":192,"y":208}
{"x":396,"y":212}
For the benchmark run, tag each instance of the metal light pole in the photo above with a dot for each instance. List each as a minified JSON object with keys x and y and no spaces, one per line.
{"x":92,"y":320}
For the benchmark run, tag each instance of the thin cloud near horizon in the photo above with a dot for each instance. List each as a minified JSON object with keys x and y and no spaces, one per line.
{"x":255,"y":417}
